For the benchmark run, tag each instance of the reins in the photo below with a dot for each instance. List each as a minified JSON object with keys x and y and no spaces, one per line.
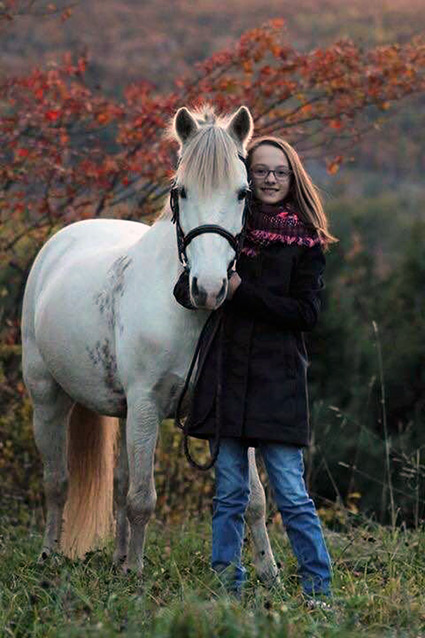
{"x":218,"y":327}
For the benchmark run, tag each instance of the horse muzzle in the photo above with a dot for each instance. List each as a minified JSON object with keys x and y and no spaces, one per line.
{"x":208,"y":299}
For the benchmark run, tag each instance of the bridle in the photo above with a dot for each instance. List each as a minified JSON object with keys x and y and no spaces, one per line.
{"x":236,"y":241}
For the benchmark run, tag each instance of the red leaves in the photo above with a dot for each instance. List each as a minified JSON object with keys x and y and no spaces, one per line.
{"x":52,"y":115}
{"x":71,"y":152}
{"x":334,"y":165}
{"x":65,"y":15}
{"x":103,"y":118}
{"x":336,"y":124}
{"x":277,"y":23}
{"x":22,"y":153}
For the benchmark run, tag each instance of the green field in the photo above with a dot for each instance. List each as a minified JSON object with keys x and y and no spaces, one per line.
{"x":379,"y":586}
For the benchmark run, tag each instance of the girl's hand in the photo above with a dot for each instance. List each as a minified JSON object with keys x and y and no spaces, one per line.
{"x":234,"y":283}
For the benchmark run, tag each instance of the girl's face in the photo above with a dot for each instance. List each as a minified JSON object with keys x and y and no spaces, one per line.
{"x":270,"y":174}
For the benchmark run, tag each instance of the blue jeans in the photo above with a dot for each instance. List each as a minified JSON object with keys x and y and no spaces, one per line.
{"x":285,"y":468}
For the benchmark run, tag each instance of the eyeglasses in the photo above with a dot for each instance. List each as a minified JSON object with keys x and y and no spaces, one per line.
{"x":280,"y":174}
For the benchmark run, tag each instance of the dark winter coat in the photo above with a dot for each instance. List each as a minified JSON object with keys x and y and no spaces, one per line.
{"x":265,"y":394}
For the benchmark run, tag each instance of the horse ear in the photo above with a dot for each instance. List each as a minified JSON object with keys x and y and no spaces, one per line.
{"x":184,"y":125}
{"x":241,"y":126}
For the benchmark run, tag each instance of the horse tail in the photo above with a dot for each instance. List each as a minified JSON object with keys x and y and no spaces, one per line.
{"x":88,"y":513}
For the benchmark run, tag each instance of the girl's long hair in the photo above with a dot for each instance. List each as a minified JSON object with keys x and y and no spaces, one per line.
{"x":303,"y":194}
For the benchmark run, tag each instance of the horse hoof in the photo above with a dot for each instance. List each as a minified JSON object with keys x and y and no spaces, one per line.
{"x":119,"y":559}
{"x":51,"y":556}
{"x":45,"y":554}
{"x":270,"y":580}
{"x":129,"y":569}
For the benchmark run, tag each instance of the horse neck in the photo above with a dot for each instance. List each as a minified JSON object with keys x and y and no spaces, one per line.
{"x":160,"y":243}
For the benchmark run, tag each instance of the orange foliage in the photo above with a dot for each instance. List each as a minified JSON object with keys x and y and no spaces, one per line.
{"x":70,"y":152}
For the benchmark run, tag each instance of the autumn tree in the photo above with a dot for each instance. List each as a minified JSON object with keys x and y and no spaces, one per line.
{"x":14,"y":9}
{"x":69,"y":153}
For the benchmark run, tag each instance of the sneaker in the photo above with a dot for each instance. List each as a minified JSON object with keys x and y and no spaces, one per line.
{"x":229,"y":583}
{"x":236,"y":594}
{"x":232,"y":594}
{"x":318,"y":603}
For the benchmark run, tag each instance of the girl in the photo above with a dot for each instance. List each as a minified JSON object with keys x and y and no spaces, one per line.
{"x":273,"y":297}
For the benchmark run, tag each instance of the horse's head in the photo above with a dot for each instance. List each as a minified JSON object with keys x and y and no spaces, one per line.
{"x":211,"y":186}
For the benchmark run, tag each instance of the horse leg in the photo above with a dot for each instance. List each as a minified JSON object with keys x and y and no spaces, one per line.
{"x":142,"y":434}
{"x":120,"y":498}
{"x":255,"y":516}
{"x":52,"y":407}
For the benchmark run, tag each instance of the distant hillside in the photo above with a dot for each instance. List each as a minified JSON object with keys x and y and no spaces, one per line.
{"x":158,"y":39}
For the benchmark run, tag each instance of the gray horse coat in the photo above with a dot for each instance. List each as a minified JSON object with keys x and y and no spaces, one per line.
{"x":264,"y":376}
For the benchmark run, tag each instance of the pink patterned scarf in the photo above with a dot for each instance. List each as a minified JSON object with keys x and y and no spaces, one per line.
{"x":276,"y":224}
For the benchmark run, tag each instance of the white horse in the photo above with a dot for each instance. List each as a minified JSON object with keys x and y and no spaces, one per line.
{"x":103,"y":335}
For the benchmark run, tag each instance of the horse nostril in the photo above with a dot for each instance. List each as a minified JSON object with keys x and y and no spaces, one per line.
{"x":222,"y":291}
{"x":198,"y":293}
{"x":195,"y":289}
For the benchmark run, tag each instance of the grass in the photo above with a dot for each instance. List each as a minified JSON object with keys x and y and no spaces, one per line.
{"x":379,"y":587}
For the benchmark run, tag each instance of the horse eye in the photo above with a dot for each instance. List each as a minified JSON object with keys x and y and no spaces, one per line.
{"x":183,"y":193}
{"x":242,"y":194}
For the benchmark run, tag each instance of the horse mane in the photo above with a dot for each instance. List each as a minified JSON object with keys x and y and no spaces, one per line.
{"x":209,"y":159}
